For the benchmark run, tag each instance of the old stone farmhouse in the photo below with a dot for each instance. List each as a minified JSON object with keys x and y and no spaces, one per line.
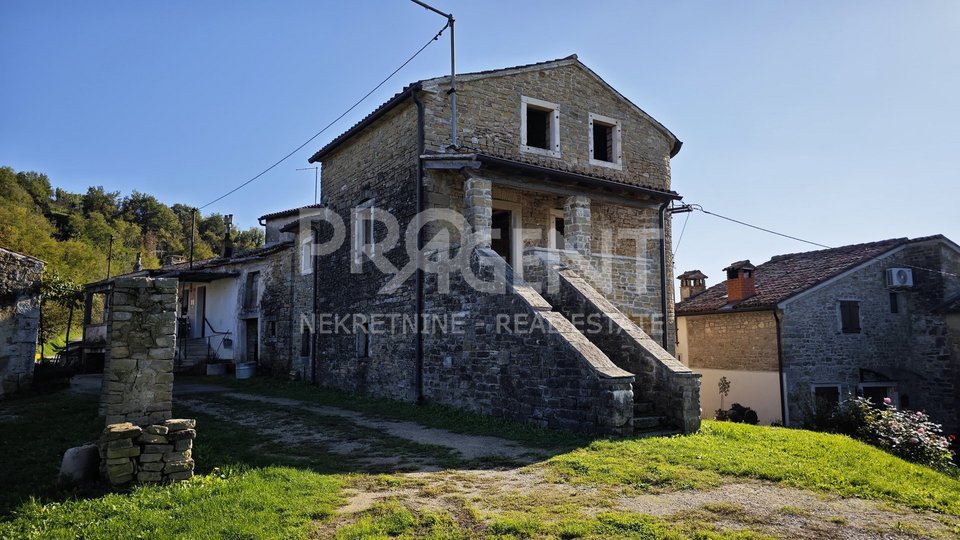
{"x":231,"y":309}
{"x":19,"y":318}
{"x":877,"y":320}
{"x":540,"y":238}
{"x":521,"y":273}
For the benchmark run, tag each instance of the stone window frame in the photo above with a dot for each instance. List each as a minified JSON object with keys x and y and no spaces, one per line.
{"x":617,"y":147}
{"x":554,"y":142}
{"x":306,"y":255}
{"x":840,"y":328}
{"x":362,"y":216}
{"x":551,"y":237}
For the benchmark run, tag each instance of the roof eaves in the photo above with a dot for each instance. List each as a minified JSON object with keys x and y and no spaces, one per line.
{"x":377,"y":113}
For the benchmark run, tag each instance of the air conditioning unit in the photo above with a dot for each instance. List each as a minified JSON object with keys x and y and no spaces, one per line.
{"x":899,"y":277}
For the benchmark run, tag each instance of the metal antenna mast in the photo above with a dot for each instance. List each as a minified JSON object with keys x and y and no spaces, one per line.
{"x":453,"y":71}
{"x":316,"y":182}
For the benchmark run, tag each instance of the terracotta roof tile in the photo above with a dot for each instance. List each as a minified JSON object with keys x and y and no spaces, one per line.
{"x":784,"y":276}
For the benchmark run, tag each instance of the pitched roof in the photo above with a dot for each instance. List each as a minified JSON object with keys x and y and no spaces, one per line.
{"x":692,"y":274}
{"x":951,"y":305}
{"x":785,"y":276}
{"x":401,"y":96}
{"x":290,"y":211}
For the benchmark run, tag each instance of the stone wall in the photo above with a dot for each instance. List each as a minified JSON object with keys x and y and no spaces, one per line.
{"x":379,"y":164}
{"x":19,"y":317}
{"x":516,"y":358}
{"x":142,"y":332}
{"x":488,"y":112}
{"x":738,"y":341}
{"x":909,"y":348}
{"x":671,"y":388}
{"x":149,"y":454}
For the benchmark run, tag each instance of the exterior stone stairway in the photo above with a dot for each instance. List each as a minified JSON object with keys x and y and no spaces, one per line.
{"x":194,"y":351}
{"x":666,"y":393}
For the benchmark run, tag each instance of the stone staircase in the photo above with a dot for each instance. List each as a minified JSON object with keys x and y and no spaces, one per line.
{"x":193,"y":352}
{"x":666,"y":393}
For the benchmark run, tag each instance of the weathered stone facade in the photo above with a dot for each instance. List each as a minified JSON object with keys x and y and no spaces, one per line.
{"x":740,"y":341}
{"x":552,"y":375}
{"x":892,"y":341}
{"x":907,"y":352}
{"x":19,"y":318}
{"x":142,"y":333}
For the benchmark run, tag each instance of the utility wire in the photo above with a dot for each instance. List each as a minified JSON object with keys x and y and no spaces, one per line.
{"x":328,"y":126}
{"x":700,"y":208}
{"x":676,"y":248}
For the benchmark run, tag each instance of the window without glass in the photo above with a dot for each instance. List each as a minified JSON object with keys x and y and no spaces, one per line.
{"x":363,"y":230}
{"x":894,"y":303}
{"x":605,"y":141}
{"x":539,"y":127}
{"x":305,"y":341}
{"x":850,"y":316}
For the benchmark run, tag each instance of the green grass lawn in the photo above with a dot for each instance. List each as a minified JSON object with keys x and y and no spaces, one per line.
{"x":792,"y":457}
{"x":244,"y":492}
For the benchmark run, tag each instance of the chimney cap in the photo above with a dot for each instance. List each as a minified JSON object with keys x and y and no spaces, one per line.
{"x":740,"y":265}
{"x":692,"y":274}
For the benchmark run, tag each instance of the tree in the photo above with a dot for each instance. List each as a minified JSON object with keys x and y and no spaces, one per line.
{"x":38,"y":186}
{"x":99,"y":201}
{"x":249,"y":239}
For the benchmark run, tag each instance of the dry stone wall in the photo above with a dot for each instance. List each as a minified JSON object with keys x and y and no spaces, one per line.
{"x":142,"y":334}
{"x":19,"y":317}
{"x":148,"y":454}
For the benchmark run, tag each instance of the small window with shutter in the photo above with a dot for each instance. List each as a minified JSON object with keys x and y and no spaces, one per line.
{"x":850,"y":316}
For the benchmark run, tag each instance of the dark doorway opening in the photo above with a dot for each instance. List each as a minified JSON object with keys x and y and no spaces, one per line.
{"x":500,"y":233}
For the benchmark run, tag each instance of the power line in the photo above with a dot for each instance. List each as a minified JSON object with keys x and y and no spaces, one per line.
{"x":700,"y":208}
{"x":328,"y":126}
{"x":676,"y":248}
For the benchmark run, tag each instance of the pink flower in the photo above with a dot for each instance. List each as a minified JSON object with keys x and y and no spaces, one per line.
{"x":887,"y":401}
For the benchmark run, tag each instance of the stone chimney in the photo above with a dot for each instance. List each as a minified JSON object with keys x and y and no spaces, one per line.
{"x":227,"y":237}
{"x":740,"y":285}
{"x":692,"y":283}
{"x":138,"y":264}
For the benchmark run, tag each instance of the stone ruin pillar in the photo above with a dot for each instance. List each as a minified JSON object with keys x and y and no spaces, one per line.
{"x":141,"y":341}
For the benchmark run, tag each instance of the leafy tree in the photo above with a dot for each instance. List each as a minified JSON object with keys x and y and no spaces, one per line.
{"x":100,"y":201}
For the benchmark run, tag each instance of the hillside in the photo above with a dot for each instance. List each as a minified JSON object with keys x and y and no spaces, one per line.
{"x":72,"y":232}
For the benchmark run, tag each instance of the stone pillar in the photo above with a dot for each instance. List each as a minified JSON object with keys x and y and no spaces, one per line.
{"x":577,"y":227}
{"x":19,"y":318}
{"x":478,"y":208}
{"x":141,"y":340}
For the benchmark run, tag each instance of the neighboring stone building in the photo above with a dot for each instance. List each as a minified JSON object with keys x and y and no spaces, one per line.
{"x":555,"y":176}
{"x":233,"y":309}
{"x":877,"y":320}
{"x":19,"y":318}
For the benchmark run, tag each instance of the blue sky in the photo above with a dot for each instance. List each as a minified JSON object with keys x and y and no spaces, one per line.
{"x":832,"y":121}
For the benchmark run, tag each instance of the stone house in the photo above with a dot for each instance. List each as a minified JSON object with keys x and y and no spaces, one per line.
{"x":19,"y":318}
{"x":233,"y":309}
{"x":877,"y":320}
{"x":521,"y":272}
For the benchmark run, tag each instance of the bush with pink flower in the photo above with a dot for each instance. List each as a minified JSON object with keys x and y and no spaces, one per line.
{"x":907,"y":434}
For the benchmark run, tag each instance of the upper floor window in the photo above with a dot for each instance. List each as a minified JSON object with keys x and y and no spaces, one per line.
{"x":849,"y":316}
{"x":604,"y":135}
{"x":539,"y":127}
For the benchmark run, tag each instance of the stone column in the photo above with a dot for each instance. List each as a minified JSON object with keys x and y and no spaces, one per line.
{"x":478,"y":208}
{"x":577,"y":228}
{"x":141,"y":340}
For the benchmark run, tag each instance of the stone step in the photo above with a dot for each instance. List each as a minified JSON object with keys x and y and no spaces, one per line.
{"x":645,"y":423}
{"x":641,"y":408}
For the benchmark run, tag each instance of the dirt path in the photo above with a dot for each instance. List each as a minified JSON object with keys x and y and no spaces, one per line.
{"x":474,"y":479}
